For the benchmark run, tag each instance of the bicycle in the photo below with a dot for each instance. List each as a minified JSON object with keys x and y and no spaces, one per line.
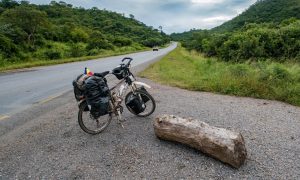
{"x":137,"y":89}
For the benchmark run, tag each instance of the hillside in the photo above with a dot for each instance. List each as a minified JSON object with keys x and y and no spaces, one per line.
{"x":263,"y":11}
{"x":30,"y":32}
{"x":269,"y":29}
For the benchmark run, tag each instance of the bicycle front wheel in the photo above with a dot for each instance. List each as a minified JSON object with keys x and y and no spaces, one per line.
{"x":89,"y":124}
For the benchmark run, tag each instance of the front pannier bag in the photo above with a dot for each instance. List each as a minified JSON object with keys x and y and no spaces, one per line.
{"x":97,"y":96}
{"x":136,"y":104}
{"x":144,"y":97}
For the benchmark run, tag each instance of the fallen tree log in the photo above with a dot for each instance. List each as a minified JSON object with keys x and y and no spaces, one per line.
{"x":222,"y":144}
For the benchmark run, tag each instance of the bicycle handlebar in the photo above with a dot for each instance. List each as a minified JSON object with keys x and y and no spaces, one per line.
{"x":127,"y":58}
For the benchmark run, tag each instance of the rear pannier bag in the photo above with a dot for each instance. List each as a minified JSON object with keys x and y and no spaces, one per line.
{"x":136,"y":104}
{"x":79,"y":86}
{"x":97,"y":96}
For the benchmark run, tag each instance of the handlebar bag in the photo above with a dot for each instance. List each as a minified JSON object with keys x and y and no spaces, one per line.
{"x":97,"y":96}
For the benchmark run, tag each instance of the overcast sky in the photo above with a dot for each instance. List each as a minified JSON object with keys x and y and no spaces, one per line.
{"x":172,"y":15}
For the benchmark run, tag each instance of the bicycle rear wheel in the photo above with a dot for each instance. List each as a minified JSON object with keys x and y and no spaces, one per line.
{"x":89,"y":124}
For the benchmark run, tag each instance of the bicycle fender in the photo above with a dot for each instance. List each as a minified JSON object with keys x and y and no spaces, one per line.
{"x":142,"y":84}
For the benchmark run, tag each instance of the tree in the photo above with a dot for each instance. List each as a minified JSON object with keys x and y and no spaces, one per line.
{"x":131,"y":16}
{"x":8,"y":3}
{"x":160,"y":28}
{"x":28,"y":19}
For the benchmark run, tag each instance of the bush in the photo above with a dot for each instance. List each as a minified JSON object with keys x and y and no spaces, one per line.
{"x":7,"y":47}
{"x":151,"y":42}
{"x":99,"y":44}
{"x":122,"y":41}
{"x":79,"y":35}
{"x":280,"y":73}
{"x":93,"y":52}
{"x":53,"y":50}
{"x":239,"y":70}
{"x":254,"y":41}
{"x":77,"y":49}
{"x":53,"y":54}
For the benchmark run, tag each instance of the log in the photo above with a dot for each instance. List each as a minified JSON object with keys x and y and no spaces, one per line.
{"x":227,"y":146}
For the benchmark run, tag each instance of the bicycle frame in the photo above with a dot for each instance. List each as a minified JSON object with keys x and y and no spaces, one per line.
{"x":118,"y":96}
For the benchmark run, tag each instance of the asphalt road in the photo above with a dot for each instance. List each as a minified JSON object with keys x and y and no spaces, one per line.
{"x":20,"y":90}
{"x":51,"y":145}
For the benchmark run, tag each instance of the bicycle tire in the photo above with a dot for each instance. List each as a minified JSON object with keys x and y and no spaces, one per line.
{"x":82,"y":125}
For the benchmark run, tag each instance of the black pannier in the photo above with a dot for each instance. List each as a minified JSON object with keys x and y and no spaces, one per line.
{"x":79,"y":86}
{"x":144,"y":98}
{"x":136,"y":104}
{"x":97,"y":96}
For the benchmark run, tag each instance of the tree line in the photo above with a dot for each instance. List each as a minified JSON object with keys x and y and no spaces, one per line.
{"x":59,"y":30}
{"x":252,"y":42}
{"x":268,"y":29}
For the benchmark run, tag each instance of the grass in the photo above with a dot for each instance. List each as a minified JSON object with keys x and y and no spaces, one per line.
{"x":34,"y":62}
{"x":265,"y":79}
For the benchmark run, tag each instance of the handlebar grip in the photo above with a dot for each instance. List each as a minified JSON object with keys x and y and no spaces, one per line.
{"x":129,"y":58}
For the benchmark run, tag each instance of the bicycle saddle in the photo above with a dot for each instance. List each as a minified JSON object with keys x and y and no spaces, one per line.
{"x":103,"y":74}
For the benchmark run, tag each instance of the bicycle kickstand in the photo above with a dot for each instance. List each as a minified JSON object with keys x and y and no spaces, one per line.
{"x":120,"y":120}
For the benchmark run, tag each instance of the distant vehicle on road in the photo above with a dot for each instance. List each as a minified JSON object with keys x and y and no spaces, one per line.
{"x":155,"y":48}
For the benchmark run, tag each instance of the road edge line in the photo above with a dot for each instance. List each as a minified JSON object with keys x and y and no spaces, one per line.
{"x":2,"y":117}
{"x":50,"y":98}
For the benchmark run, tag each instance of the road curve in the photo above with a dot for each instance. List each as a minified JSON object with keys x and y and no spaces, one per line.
{"x":20,"y":90}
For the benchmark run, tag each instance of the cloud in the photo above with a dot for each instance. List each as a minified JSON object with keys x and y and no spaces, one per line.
{"x":172,"y":15}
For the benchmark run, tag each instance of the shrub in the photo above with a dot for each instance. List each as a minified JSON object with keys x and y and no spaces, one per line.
{"x":53,"y":54}
{"x":254,"y":41}
{"x":280,"y":73}
{"x":122,"y":41}
{"x":99,"y":44}
{"x":239,"y":70}
{"x":77,"y":49}
{"x":7,"y":47}
{"x":93,"y":52}
{"x":79,"y":35}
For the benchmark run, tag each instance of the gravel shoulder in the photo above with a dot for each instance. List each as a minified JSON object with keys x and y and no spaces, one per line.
{"x":51,"y":145}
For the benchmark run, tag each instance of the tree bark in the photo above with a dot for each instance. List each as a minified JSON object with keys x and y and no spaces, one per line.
{"x":227,"y":146}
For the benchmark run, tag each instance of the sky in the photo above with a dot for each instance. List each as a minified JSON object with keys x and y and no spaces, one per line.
{"x":172,"y":15}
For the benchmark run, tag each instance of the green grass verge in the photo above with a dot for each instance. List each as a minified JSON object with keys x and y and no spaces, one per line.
{"x":34,"y":63}
{"x":266,"y":79}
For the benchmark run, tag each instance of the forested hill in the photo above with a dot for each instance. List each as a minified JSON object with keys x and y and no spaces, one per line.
{"x":264,"y":11}
{"x":269,"y":29}
{"x":59,"y":30}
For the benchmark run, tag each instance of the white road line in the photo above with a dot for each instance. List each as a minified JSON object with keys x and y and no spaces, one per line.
{"x":50,"y":98}
{"x":2,"y":117}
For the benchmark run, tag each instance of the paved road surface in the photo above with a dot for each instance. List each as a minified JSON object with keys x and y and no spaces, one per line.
{"x":20,"y":90}
{"x":51,"y":145}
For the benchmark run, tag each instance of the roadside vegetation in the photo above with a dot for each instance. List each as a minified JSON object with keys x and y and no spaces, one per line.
{"x":259,"y":79}
{"x":33,"y":35}
{"x":277,"y":42}
{"x":256,"y":54}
